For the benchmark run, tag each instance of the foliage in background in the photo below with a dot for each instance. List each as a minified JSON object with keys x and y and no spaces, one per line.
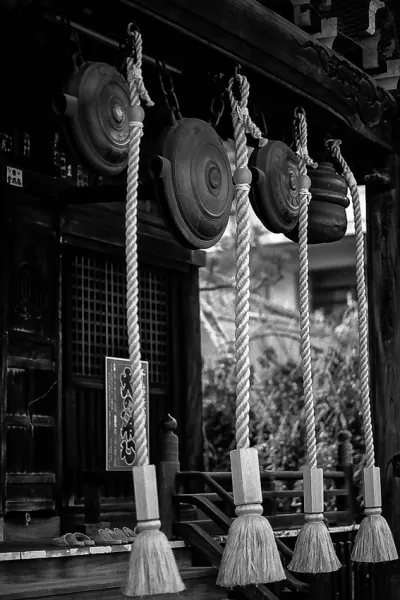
{"x":277,"y":420}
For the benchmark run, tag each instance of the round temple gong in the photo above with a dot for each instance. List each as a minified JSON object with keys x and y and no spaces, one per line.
{"x":96,"y":102}
{"x":275,"y":186}
{"x":194,"y":182}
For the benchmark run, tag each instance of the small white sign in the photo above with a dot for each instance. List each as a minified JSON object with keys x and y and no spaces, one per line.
{"x":14,"y":177}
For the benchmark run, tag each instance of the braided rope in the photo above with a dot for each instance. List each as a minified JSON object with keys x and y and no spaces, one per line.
{"x":136,"y":93}
{"x":300,"y":134}
{"x":333,"y":146}
{"x":242,"y":124}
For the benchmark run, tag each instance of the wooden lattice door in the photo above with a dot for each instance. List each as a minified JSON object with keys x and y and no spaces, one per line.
{"x":96,"y":326}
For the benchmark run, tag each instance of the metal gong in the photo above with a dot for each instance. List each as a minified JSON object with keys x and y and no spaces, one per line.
{"x":194,"y":182}
{"x":327,"y":220}
{"x":96,"y":102}
{"x":275,"y":187}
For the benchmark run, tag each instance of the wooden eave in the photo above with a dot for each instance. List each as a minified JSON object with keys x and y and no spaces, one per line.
{"x":263,"y":41}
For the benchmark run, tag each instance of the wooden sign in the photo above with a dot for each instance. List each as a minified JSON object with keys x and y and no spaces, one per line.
{"x":120,"y":445}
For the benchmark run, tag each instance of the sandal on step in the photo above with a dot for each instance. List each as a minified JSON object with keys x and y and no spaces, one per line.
{"x":107,"y":538}
{"x":117,"y":539}
{"x":81,"y":537}
{"x":121,"y":536}
{"x":68,"y":539}
{"x":131,"y":535}
{"x":102,"y":538}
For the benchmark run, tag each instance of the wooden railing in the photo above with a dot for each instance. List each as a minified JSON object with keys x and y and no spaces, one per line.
{"x":190,"y":488}
{"x":198,"y":506}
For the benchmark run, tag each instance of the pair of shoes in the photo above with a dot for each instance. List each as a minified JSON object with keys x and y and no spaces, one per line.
{"x":126,"y":534}
{"x":104,"y":537}
{"x":114,"y":536}
{"x":73,"y":539}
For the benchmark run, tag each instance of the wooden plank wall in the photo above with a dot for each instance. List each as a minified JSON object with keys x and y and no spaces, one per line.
{"x":30,"y":407}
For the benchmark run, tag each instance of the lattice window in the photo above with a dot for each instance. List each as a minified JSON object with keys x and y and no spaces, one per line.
{"x":99,"y":325}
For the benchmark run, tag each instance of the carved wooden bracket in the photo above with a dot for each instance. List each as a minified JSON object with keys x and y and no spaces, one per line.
{"x":369,"y":47}
{"x":301,"y":17}
{"x":389,"y":80}
{"x":328,"y":33}
{"x":373,"y":8}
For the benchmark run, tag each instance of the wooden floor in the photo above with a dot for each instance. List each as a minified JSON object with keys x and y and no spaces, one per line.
{"x":199,"y":581}
{"x":43,"y":571}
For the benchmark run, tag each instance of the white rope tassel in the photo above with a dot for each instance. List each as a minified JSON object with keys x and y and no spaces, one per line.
{"x":314,"y":551}
{"x":250,"y":555}
{"x":152,"y":567}
{"x":374,"y":541}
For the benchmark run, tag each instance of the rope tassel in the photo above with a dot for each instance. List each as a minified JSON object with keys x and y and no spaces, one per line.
{"x":250,"y":555}
{"x":374,"y":542}
{"x":314,"y":551}
{"x":152,"y":566}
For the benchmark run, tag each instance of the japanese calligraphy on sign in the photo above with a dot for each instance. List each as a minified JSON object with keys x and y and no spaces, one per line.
{"x":120,"y":452}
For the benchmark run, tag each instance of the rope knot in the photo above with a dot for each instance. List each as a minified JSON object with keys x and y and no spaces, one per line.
{"x":331,"y":144}
{"x":135,"y":73}
{"x":137,"y":124}
{"x":303,"y":156}
{"x":137,"y":88}
{"x":305,"y":193}
{"x":310,"y":162}
{"x":243,"y":186}
{"x":243,"y":113}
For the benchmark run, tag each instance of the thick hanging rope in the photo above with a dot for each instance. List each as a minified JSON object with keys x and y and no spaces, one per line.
{"x":152,"y":567}
{"x":314,"y":551}
{"x":242,"y":124}
{"x":250,"y":555}
{"x":300,"y":132}
{"x":137,"y":92}
{"x":374,"y":541}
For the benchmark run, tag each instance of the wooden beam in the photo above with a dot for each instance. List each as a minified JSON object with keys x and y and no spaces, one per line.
{"x":373,"y":7}
{"x":383,"y":242}
{"x":301,"y":13}
{"x":390,"y":78}
{"x":369,"y":47}
{"x":264,"y":41}
{"x":328,"y":33}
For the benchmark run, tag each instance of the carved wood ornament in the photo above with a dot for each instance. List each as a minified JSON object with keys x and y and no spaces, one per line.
{"x":371,"y":102}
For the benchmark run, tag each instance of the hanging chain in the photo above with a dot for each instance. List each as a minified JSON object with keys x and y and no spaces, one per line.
{"x":217,"y":106}
{"x":74,"y":44}
{"x":168,"y":90}
{"x":260,"y":116}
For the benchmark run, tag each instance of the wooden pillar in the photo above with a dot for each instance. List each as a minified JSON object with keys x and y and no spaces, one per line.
{"x":4,"y":308}
{"x":168,"y":467}
{"x":345,"y":464}
{"x":191,"y":419}
{"x":383,"y":243}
